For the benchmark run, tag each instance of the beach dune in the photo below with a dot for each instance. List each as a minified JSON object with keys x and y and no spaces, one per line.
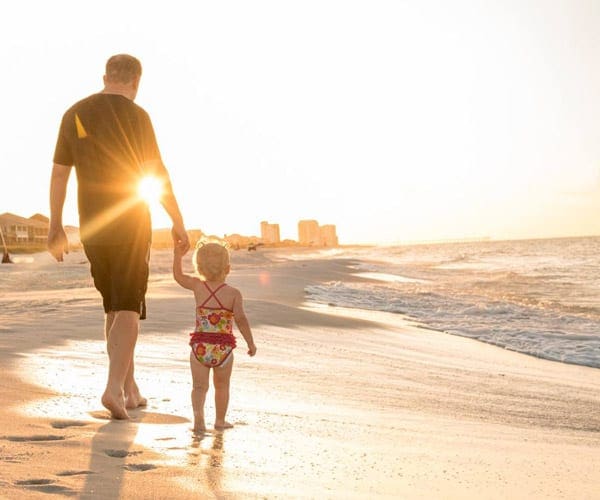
{"x":337,"y":403}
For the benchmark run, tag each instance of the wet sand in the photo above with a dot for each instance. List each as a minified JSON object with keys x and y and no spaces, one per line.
{"x":337,"y":403}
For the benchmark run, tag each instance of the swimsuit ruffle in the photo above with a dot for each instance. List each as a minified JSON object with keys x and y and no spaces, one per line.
{"x":212,"y":338}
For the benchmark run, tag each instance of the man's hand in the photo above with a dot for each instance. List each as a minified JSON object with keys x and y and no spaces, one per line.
{"x":58,"y":242}
{"x":180,"y":239}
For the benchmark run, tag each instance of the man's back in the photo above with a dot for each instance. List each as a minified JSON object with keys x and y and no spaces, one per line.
{"x":109,"y":139}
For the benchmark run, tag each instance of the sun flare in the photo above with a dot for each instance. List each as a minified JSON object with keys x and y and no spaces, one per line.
{"x":150,"y":190}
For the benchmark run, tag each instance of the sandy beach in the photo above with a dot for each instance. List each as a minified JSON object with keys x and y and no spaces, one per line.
{"x":337,"y":403}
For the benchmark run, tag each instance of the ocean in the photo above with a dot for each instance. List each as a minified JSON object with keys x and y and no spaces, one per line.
{"x":537,"y":297}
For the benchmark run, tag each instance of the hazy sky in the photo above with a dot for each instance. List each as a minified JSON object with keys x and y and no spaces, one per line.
{"x":396,"y":121}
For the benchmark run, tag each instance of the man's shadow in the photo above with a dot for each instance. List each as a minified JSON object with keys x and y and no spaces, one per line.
{"x":110,"y":448}
{"x":110,"y":456}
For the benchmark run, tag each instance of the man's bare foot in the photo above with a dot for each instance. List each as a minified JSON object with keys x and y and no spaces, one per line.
{"x":135,"y":401}
{"x":221,"y":426}
{"x":115,"y":405}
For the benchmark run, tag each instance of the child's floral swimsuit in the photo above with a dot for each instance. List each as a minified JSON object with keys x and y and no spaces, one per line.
{"x":213,"y":341}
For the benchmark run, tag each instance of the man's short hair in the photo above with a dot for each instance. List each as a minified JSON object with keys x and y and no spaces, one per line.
{"x":123,"y":68}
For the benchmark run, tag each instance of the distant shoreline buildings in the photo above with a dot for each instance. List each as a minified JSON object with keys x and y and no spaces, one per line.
{"x":17,"y":230}
{"x":310,"y":233}
{"x":30,"y":234}
{"x":269,"y":233}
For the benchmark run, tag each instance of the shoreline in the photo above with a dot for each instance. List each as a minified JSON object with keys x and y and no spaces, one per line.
{"x":338,"y":403}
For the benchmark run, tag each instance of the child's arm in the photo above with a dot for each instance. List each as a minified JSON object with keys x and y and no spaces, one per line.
{"x":242,"y":323}
{"x":185,"y":280}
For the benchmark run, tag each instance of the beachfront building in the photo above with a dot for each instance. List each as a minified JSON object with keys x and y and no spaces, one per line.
{"x":328,"y":235}
{"x":20,"y":231}
{"x":238,"y":241}
{"x":269,"y":233}
{"x":308,"y":232}
{"x":311,"y":234}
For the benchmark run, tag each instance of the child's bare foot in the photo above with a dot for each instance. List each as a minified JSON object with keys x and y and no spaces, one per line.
{"x":198,"y":431}
{"x":221,"y":426}
{"x":199,"y":425}
{"x":115,"y":405}
{"x":199,"y":428}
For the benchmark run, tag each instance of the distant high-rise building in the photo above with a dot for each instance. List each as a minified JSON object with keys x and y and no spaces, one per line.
{"x":269,"y":232}
{"x":308,"y":233}
{"x":311,"y":234}
{"x":328,"y":236}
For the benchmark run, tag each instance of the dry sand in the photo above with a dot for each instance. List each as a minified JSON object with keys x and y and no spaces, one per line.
{"x":337,"y":404}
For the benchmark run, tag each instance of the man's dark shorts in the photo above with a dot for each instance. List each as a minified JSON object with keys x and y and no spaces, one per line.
{"x":120,"y":274}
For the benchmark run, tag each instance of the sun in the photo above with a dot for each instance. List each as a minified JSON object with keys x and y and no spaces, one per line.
{"x":150,"y":190}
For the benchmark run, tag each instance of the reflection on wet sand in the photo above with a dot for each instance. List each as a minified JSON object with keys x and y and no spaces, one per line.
{"x":209,"y":458}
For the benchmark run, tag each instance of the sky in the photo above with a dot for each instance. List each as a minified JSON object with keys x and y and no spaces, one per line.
{"x":397,"y":121}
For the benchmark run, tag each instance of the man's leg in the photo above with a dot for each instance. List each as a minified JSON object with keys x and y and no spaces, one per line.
{"x":122,"y":331}
{"x":133,"y":397}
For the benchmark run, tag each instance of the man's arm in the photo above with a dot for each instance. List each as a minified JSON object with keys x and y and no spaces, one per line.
{"x":57,"y":238}
{"x":156,"y":167}
{"x":169,"y":203}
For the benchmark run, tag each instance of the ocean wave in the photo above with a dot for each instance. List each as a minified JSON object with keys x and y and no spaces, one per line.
{"x":530,"y":330}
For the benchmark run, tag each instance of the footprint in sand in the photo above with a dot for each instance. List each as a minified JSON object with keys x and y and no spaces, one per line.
{"x":45,"y":486}
{"x":24,"y":439}
{"x":121,"y":453}
{"x":139,"y":467}
{"x":34,"y":482}
{"x":63,"y":424}
{"x":74,"y":472}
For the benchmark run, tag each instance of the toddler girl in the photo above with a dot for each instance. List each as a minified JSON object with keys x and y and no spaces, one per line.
{"x":218,"y":305}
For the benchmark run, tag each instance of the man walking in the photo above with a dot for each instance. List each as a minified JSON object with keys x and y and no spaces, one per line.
{"x":111,"y":143}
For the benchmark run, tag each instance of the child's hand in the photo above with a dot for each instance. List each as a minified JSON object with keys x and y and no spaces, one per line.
{"x":251,"y":349}
{"x":178,"y":251}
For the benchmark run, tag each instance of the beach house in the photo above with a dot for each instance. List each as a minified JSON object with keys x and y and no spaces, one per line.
{"x":24,"y":232}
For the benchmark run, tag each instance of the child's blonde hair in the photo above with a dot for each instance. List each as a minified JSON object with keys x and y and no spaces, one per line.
{"x":211,"y":260}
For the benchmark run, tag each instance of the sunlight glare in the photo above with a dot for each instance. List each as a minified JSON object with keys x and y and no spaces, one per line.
{"x":150,"y":190}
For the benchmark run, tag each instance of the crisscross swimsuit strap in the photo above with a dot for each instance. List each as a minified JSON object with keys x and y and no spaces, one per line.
{"x":212,"y":342}
{"x":213,"y":295}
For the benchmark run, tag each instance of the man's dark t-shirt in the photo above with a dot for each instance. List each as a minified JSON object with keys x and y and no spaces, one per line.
{"x":110,"y":141}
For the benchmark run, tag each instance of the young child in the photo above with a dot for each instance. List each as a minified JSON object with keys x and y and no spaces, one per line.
{"x":218,"y":305}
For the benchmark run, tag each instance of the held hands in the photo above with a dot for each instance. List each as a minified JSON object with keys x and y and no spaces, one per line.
{"x":57,"y":242}
{"x":181,"y":240}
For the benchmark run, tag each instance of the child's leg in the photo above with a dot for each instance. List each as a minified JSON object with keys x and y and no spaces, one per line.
{"x":221,"y":378}
{"x":200,"y":387}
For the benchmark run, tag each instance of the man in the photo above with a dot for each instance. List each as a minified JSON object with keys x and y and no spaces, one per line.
{"x":110,"y":141}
